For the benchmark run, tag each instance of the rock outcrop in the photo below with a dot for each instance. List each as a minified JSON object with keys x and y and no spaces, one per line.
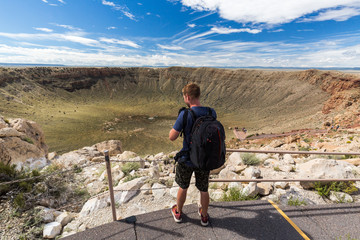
{"x":22,"y":142}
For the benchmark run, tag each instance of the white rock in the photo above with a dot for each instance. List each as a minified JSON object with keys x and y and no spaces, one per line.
{"x":288,"y":159}
{"x":158,"y":190}
{"x":322,"y":169}
{"x":250,"y":190}
{"x":236,"y":185}
{"x":282,"y":185}
{"x":51,"y":230}
{"x":216,"y":195}
{"x":130,"y":187}
{"x":251,"y":172}
{"x":139,"y":160}
{"x":340,"y":197}
{"x":64,"y":218}
{"x":265,"y":188}
{"x":234,"y":159}
{"x":126,"y":155}
{"x":262,"y":156}
{"x":154,"y":172}
{"x":227,"y":174}
{"x":92,"y":205}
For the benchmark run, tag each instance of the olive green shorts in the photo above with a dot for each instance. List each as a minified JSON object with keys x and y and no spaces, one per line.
{"x":183,"y":177}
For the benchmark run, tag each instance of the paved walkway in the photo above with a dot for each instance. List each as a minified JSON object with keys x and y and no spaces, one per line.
{"x":238,"y":220}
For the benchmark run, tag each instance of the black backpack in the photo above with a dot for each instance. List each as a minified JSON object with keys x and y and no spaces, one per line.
{"x":207,"y":144}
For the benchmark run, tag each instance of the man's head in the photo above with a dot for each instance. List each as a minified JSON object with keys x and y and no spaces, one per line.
{"x":191,"y":93}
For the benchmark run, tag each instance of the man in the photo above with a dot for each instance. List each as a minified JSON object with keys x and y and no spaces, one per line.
{"x":184,"y":168}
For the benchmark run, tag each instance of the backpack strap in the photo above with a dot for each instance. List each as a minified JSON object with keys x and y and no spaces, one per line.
{"x":185,"y":117}
{"x":209,"y":111}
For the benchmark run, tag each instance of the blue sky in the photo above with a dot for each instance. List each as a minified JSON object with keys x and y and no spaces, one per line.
{"x":216,"y":33}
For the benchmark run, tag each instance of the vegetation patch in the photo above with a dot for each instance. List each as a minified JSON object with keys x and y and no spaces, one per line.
{"x":324,"y":189}
{"x":250,"y":159}
{"x":234,"y":194}
{"x":296,"y":202}
{"x":130,"y":166}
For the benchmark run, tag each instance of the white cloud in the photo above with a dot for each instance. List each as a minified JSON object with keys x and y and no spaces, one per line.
{"x":118,"y":7}
{"x":110,"y":28}
{"x":140,"y":4}
{"x":337,"y":15}
{"x":275,"y":11}
{"x":62,"y":1}
{"x":222,"y":30}
{"x":277,"y":30}
{"x":44,"y":29}
{"x":120,"y":42}
{"x":192,"y":25}
{"x":45,"y":1}
{"x":170,"y":47}
{"x":52,"y":36}
{"x":67,"y":27}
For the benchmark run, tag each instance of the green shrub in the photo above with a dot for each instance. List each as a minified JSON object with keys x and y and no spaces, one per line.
{"x":19,"y":200}
{"x":321,"y":140}
{"x":307,"y":140}
{"x":295,"y":202}
{"x":351,"y":138}
{"x":250,"y":159}
{"x":234,"y":194}
{"x":324,"y":189}
{"x":77,"y":169}
{"x":130,"y":166}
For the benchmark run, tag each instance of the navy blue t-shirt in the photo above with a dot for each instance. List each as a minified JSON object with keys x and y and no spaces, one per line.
{"x":178,"y":126}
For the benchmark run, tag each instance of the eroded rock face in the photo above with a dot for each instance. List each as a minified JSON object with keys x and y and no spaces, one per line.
{"x":22,"y":142}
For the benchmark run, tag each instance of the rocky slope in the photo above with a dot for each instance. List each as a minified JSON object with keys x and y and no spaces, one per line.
{"x":146,"y":183}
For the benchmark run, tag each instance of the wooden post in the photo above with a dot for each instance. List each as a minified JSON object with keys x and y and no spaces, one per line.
{"x":108,"y":168}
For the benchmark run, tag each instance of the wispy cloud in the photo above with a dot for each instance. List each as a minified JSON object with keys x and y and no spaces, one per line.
{"x":44,"y":29}
{"x":191,"y":25}
{"x":111,"y":28}
{"x":277,"y":11}
{"x":223,"y":30}
{"x":120,"y":42}
{"x":123,"y":9}
{"x":166,"y":47}
{"x":72,"y":28}
{"x":336,"y":15}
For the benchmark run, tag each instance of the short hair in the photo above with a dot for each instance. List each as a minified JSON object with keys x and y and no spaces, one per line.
{"x":192,"y":90}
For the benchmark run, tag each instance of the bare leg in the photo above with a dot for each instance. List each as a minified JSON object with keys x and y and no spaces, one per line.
{"x":181,"y":197}
{"x":204,"y":200}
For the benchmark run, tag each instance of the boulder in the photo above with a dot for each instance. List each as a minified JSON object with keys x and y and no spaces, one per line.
{"x":92,"y":205}
{"x":64,"y":218}
{"x":250,"y":190}
{"x":228,"y":174}
{"x":323,"y":169}
{"x":282,"y":185}
{"x":126,"y":155}
{"x":252,"y":172}
{"x":128,"y":190}
{"x":158,"y":190}
{"x":265,"y":188}
{"x":288,"y":159}
{"x":51,"y":230}
{"x":234,"y":159}
{"x":216,"y":194}
{"x":70,"y":159}
{"x":114,"y":147}
{"x":32,"y":130}
{"x":19,"y":150}
{"x":340,"y":197}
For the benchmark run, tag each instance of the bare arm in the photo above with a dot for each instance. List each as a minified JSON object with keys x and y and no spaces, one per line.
{"x":173,"y":134}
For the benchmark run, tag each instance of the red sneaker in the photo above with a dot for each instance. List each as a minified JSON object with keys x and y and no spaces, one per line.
{"x":176,"y":214}
{"x":204,"y":220}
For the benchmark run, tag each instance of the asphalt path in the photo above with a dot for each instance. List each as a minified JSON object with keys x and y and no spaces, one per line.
{"x":238,"y":220}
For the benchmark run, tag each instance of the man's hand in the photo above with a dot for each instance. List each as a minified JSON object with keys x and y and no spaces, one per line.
{"x":173,"y":134}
